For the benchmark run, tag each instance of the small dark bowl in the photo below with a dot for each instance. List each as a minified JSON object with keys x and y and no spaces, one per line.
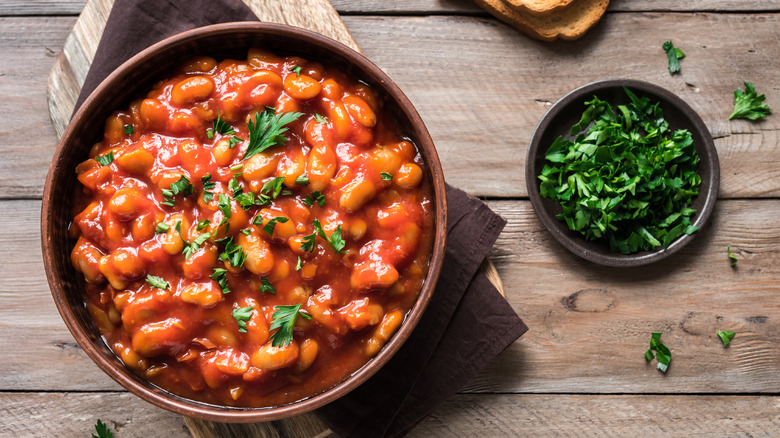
{"x":132,"y":80}
{"x":567,"y":112}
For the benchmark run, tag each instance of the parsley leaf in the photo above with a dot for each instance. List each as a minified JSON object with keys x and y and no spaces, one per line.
{"x":748,"y":105}
{"x":284,"y":320}
{"x":334,"y":240}
{"x":220,"y":126}
{"x":386,"y":176}
{"x":726,"y":336}
{"x":302,"y":180}
{"x":674,"y":55}
{"x":662,"y":352}
{"x":102,"y":430}
{"x":235,"y":186}
{"x":297,"y":70}
{"x":320,"y":119}
{"x":233,"y":253}
{"x":628,"y":180}
{"x":267,"y":130}
{"x":129,"y":129}
{"x":313,"y":197}
{"x":203,"y":223}
{"x":220,"y":276}
{"x":242,"y":315}
{"x":299,"y":265}
{"x":157,"y":282}
{"x":309,"y":242}
{"x":266,"y":286}
{"x":270,"y":225}
{"x":224,"y":205}
{"x":734,"y":260}
{"x":208,"y":185}
{"x":105,"y":160}
{"x":182,"y":186}
{"x":273,"y":187}
{"x":191,"y":248}
{"x":161,"y":227}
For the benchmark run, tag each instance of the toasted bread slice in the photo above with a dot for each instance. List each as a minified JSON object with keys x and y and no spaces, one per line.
{"x":537,"y":7}
{"x":568,"y":23}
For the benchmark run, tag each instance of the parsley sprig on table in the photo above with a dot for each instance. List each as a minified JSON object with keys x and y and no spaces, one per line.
{"x":662,"y":352}
{"x":748,"y":104}
{"x":725,"y":336}
{"x":674,"y":55}
{"x":267,"y":130}
{"x":284,"y":320}
{"x":102,"y":430}
{"x":627,"y":180}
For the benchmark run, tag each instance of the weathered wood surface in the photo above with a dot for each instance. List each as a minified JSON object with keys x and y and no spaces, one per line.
{"x":476,"y":114}
{"x":462,"y":416}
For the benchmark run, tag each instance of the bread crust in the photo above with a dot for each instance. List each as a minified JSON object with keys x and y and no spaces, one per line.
{"x":568,"y":23}
{"x":538,"y":7}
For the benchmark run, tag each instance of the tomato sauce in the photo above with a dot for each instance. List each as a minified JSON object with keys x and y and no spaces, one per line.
{"x":188,"y":247}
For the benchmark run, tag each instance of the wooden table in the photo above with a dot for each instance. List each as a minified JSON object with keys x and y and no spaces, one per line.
{"x":481,"y":87}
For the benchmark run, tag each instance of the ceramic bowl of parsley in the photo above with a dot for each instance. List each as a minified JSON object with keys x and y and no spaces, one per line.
{"x":622,"y":172}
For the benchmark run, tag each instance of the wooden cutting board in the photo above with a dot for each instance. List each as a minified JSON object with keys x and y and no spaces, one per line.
{"x":65,"y":81}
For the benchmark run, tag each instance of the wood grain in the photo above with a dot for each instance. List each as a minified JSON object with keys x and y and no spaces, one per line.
{"x":590,"y":325}
{"x":474,"y":115}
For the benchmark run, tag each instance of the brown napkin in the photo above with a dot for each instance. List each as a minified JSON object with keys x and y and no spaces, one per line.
{"x":467,"y":322}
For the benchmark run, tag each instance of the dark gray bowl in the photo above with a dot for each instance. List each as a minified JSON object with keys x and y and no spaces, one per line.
{"x":567,"y":112}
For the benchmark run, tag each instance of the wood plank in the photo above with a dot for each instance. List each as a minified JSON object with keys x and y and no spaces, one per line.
{"x":590,"y":325}
{"x":408,"y":7}
{"x":472,"y":111}
{"x":464,"y":415}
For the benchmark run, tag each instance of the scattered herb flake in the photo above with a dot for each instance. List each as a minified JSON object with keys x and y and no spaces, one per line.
{"x":257,"y":220}
{"x":237,"y":167}
{"x":386,"y":176}
{"x":208,"y":185}
{"x":220,"y":276}
{"x":313,"y":197}
{"x":267,"y":130}
{"x":334,"y":240}
{"x":224,"y":205}
{"x":320,"y":119}
{"x":157,"y":282}
{"x":191,"y":248}
{"x":302,"y":180}
{"x":182,"y":186}
{"x":674,"y":55}
{"x":242,"y":315}
{"x":726,"y":336}
{"x":299,"y":265}
{"x":221,"y":126}
{"x":246,"y":231}
{"x":748,"y":105}
{"x":283,"y":321}
{"x":161,"y":227}
{"x":129,"y":129}
{"x":734,"y":260}
{"x":271,"y":224}
{"x":297,"y":70}
{"x":662,"y":352}
{"x":266,"y":286}
{"x":233,"y":253}
{"x":273,"y":187}
{"x":309,"y":242}
{"x":106,"y":159}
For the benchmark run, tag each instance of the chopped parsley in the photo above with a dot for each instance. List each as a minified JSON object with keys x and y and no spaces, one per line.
{"x":266,"y":286}
{"x":674,"y":55}
{"x":267,"y":130}
{"x":208,"y":186}
{"x":273,"y":187}
{"x":106,"y":159}
{"x":299,"y":265}
{"x":129,"y":129}
{"x":297,"y":70}
{"x":235,"y":186}
{"x":334,"y":240}
{"x":102,"y":430}
{"x":182,"y":186}
{"x":309,"y":242}
{"x":662,"y":352}
{"x":203,"y":223}
{"x":386,"y":176}
{"x":161,"y":227}
{"x":242,"y":315}
{"x":248,"y":200}
{"x":320,"y":119}
{"x":628,"y":180}
{"x":313,"y":197}
{"x":224,"y":205}
{"x":271,"y":224}
{"x":726,"y":336}
{"x":748,"y":105}
{"x":246,"y":231}
{"x":157,"y":282}
{"x":191,"y":248}
{"x":233,"y":253}
{"x":220,"y":276}
{"x":284,"y":321}
{"x":302,"y":180}
{"x":221,"y":126}
{"x":734,"y":260}
{"x":257,"y":220}
{"x":237,"y":167}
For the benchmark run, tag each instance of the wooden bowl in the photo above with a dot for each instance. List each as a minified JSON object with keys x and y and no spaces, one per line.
{"x":132,"y":80}
{"x":567,"y":112}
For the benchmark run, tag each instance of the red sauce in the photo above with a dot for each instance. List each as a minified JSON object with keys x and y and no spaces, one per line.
{"x":181,"y":333}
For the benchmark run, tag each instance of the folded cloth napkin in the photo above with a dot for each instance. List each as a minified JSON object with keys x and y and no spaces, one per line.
{"x":467,"y":322}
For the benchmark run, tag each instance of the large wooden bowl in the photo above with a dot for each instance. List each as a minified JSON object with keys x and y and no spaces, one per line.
{"x":132,"y":80}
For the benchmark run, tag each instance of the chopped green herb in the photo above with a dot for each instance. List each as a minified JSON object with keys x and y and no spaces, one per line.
{"x":734,"y":260}
{"x":233,"y":253}
{"x":106,"y":159}
{"x":203,"y":223}
{"x":309,"y":242}
{"x":191,"y":248}
{"x":182,"y":186}
{"x":297,"y":70}
{"x":628,"y":180}
{"x":161,"y":227}
{"x":220,"y":126}
{"x":320,"y":119}
{"x":241,"y":316}
{"x":246,"y":231}
{"x":270,"y":225}
{"x":220,"y":276}
{"x":334,"y":240}
{"x":386,"y":176}
{"x":234,"y":140}
{"x":748,"y":105}
{"x":157,"y":282}
{"x":129,"y":129}
{"x":273,"y":187}
{"x":257,"y":220}
{"x":299,"y":265}
{"x":208,"y":185}
{"x":247,"y":200}
{"x":267,"y":130}
{"x":284,"y":321}
{"x":224,"y":205}
{"x":662,"y":352}
{"x":237,"y":167}
{"x":224,"y":222}
{"x":674,"y":55}
{"x":313,"y":197}
{"x":266,"y":286}
{"x":302,"y":180}
{"x":102,"y":431}
{"x":726,"y":336}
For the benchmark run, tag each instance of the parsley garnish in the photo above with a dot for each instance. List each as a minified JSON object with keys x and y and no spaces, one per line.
{"x":220,"y":276}
{"x":220,"y":126}
{"x":310,"y":199}
{"x":266,"y":286}
{"x":241,"y":316}
{"x":266,"y":131}
{"x":191,"y":248}
{"x":271,"y":224}
{"x":309,"y":242}
{"x":257,"y":220}
{"x":334,"y":240}
{"x":203,"y":223}
{"x":234,"y":186}
{"x":246,"y":231}
{"x":299,"y":265}
{"x":320,"y":119}
{"x":157,"y":282}
{"x":102,"y":430}
{"x":224,"y":222}
{"x":106,"y":159}
{"x":273,"y":187}
{"x":748,"y":105}
{"x":247,"y":200}
{"x":386,"y":176}
{"x":161,"y":227}
{"x":662,"y":352}
{"x":234,"y":140}
{"x":302,"y":180}
{"x":182,"y":186}
{"x":297,"y":70}
{"x":674,"y":54}
{"x":224,"y":205}
{"x":233,"y":253}
{"x":237,"y":167}
{"x":732,"y":257}
{"x":284,"y":320}
{"x":208,"y":185}
{"x":129,"y":129}
{"x":726,"y":336}
{"x":628,"y":180}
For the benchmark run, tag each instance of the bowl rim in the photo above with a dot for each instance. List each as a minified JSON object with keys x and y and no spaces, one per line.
{"x":577,"y":244}
{"x":202,"y":410}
